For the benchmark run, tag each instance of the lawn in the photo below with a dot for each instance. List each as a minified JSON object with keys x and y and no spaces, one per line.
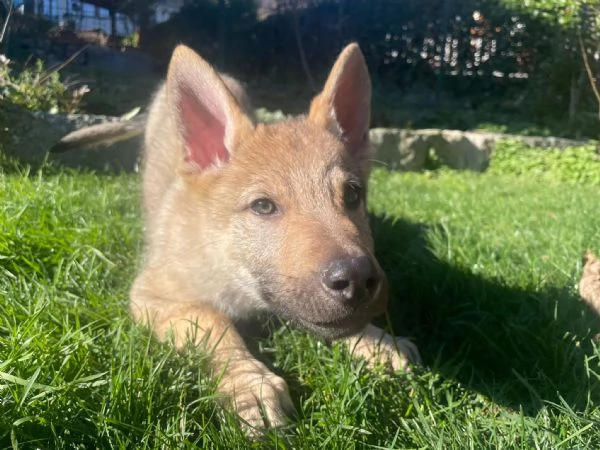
{"x":483,"y":269}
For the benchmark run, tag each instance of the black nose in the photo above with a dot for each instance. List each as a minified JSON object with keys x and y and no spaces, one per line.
{"x":351,"y":279}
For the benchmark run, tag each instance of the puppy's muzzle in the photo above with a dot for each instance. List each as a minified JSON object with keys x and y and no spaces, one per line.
{"x":351,"y":280}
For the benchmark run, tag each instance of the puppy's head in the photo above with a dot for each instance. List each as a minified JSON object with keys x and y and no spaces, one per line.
{"x":288,"y":200}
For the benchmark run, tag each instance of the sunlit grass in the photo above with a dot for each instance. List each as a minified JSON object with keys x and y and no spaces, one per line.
{"x":483,"y":272}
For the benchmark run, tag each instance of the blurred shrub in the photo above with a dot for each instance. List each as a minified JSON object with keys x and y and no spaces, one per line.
{"x":38,"y":89}
{"x":574,"y":164}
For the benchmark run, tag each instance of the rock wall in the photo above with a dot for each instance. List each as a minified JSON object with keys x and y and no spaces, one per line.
{"x":461,"y":150}
{"x":28,"y":137}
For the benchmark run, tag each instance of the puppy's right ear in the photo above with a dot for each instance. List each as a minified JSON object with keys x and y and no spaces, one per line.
{"x":208,"y":118}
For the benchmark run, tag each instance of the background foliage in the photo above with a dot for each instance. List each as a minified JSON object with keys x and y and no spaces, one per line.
{"x":518,"y":57}
{"x":38,"y":89}
{"x":515,"y":65}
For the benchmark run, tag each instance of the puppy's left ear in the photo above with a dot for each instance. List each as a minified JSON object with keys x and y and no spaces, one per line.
{"x":344,"y":105}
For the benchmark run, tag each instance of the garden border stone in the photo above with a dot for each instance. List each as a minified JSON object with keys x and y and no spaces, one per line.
{"x":28,"y":137}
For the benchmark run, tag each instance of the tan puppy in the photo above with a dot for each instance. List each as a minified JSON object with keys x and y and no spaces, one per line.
{"x":245,"y":218}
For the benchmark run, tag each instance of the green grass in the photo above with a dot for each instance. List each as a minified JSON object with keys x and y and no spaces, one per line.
{"x":483,"y":272}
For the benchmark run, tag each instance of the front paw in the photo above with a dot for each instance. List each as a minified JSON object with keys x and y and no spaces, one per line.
{"x":259,"y":397}
{"x":378,"y":347}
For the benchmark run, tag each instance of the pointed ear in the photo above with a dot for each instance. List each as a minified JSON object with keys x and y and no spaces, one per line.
{"x":209,"y":120}
{"x":344,"y":105}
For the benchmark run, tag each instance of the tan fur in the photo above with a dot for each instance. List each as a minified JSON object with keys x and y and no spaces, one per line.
{"x":589,"y":285}
{"x":210,"y":260}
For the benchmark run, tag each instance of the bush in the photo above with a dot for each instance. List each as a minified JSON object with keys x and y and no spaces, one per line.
{"x":38,"y":89}
{"x":579,"y":165}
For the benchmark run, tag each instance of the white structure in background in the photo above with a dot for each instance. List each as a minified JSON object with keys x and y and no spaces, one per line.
{"x":90,"y":17}
{"x":165,"y":9}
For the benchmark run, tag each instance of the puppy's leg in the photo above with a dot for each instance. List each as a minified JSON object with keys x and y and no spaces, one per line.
{"x":377,"y":346}
{"x":259,"y":397}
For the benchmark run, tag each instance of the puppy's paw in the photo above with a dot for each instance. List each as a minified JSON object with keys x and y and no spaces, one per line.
{"x":378,"y":347}
{"x":259,"y":397}
{"x":396,"y":352}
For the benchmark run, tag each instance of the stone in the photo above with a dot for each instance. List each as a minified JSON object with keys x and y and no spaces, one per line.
{"x":463,"y":150}
{"x":460,"y":150}
{"x":27,"y":137}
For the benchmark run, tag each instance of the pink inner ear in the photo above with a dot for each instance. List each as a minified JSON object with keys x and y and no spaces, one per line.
{"x":351,"y":118}
{"x":204,"y":132}
{"x":351,"y":104}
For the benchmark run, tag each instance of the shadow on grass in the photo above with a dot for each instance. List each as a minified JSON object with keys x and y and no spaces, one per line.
{"x":517,"y":347}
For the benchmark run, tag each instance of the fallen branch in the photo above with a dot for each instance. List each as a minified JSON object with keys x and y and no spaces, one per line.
{"x":589,"y":73}
{"x":8,"y":4}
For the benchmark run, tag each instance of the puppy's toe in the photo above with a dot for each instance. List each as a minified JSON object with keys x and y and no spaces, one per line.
{"x":262,"y":400}
{"x":402,"y":353}
{"x":379,"y":347}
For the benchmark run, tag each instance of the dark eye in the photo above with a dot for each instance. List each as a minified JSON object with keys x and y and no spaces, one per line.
{"x":352,"y":195}
{"x":263,"y":207}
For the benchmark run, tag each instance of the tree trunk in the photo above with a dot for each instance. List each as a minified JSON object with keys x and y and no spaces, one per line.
{"x":439,"y":80}
{"x":575,"y":95}
{"x":222,"y":35}
{"x":113,"y":22}
{"x":29,"y":7}
{"x":143,"y":12}
{"x":303,"y":60}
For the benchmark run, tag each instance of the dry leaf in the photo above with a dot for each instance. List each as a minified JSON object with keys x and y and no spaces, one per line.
{"x":589,"y":286}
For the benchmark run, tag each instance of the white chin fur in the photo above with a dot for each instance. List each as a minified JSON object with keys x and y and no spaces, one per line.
{"x":243,"y":299}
